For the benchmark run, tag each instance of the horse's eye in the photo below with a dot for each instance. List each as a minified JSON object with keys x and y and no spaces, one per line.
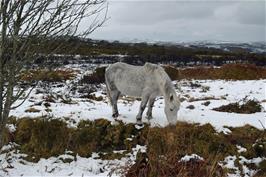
{"x":171,"y":109}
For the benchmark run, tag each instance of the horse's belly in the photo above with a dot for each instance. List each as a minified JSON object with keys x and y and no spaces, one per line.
{"x":130,"y":90}
{"x":130,"y":83}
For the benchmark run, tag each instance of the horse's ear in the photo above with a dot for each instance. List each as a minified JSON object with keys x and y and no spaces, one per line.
{"x":171,"y":97}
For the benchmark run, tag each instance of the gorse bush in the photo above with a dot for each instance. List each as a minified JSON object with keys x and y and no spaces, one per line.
{"x":43,"y":138}
{"x":249,"y":107}
{"x":97,"y":77}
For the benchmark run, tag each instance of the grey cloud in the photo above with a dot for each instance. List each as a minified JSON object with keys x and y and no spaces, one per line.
{"x":155,"y":12}
{"x":180,"y":21}
{"x":251,"y":13}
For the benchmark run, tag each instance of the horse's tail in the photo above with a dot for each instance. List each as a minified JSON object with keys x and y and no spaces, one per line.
{"x":107,"y":84}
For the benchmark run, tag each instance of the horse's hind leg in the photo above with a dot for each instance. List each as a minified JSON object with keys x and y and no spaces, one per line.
{"x":114,"y":95}
{"x":149,"y":112}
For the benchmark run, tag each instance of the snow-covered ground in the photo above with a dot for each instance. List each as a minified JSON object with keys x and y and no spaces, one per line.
{"x":217,"y":92}
{"x":12,"y":164}
{"x":195,"y":92}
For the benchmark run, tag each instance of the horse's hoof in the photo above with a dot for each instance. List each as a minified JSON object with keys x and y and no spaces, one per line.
{"x":139,"y":125}
{"x":115,"y":115}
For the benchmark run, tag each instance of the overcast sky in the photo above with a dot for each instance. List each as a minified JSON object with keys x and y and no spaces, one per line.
{"x":177,"y":21}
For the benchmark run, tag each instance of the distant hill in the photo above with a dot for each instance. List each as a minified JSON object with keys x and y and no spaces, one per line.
{"x":179,"y":54}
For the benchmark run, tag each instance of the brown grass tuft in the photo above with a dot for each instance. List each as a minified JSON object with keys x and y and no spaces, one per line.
{"x":32,"y":110}
{"x":57,"y":75}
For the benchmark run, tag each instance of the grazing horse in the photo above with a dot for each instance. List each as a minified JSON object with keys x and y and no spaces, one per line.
{"x":147,"y":82}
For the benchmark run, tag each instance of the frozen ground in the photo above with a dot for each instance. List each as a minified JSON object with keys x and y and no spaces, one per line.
{"x":217,"y":92}
{"x":195,"y":92}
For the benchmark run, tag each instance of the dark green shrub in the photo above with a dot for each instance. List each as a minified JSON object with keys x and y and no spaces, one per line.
{"x":249,"y":107}
{"x":97,"y":77}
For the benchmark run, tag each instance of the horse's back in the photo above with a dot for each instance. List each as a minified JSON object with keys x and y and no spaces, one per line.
{"x":119,"y":66}
{"x":127,"y":67}
{"x":129,"y":79}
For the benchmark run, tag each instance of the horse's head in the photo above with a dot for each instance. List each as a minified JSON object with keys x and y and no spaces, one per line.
{"x":172,"y":104}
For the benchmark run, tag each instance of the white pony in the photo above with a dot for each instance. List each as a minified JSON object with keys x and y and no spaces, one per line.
{"x":147,"y":82}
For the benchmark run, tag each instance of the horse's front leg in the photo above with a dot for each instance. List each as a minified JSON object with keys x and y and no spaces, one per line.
{"x":149,"y":112}
{"x":143,"y":104}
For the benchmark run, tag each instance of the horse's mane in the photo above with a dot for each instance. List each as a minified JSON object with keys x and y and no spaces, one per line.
{"x":151,"y":67}
{"x":167,"y":84}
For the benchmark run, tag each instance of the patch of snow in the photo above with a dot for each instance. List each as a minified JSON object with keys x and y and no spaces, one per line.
{"x":119,"y":152}
{"x":8,"y":147}
{"x":246,"y":171}
{"x":224,"y":130}
{"x":11,"y":128}
{"x":140,"y":148}
{"x":129,"y":139}
{"x":256,"y":160}
{"x":229,"y":162}
{"x":66,"y":156}
{"x":240,"y":149}
{"x":187,"y":158}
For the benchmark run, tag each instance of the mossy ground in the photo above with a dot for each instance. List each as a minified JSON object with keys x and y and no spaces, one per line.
{"x":43,"y":138}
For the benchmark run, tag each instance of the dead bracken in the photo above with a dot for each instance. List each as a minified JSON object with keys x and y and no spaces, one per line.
{"x":57,"y":75}
{"x":32,"y":110}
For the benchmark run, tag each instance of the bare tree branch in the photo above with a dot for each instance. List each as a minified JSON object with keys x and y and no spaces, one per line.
{"x":23,"y":22}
